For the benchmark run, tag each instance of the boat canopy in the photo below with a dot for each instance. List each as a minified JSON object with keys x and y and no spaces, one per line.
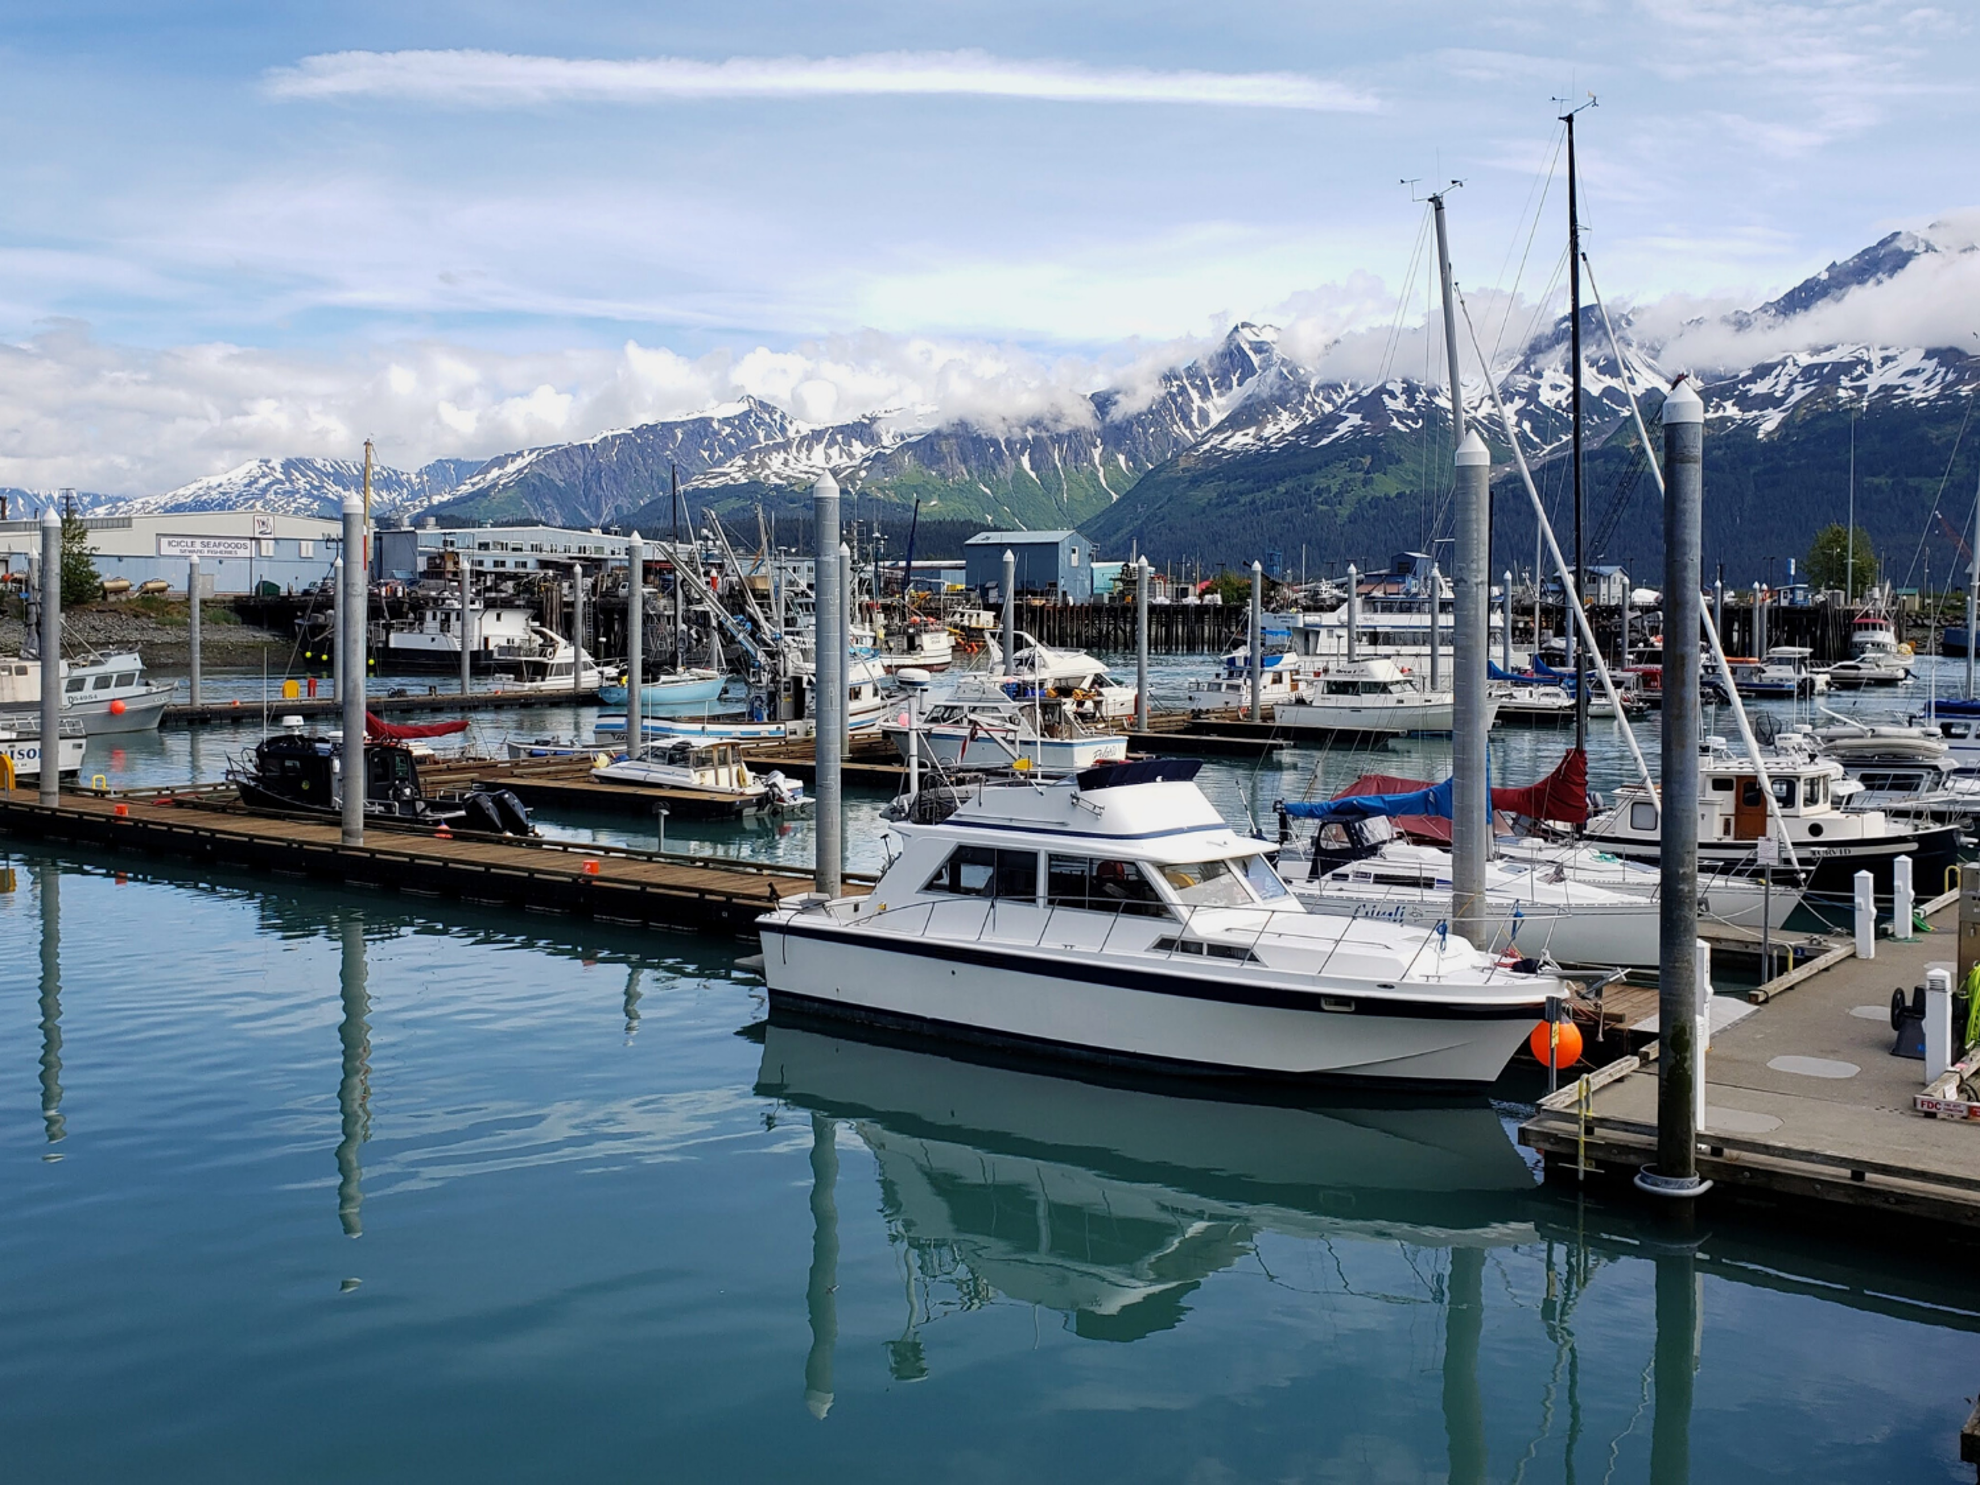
{"x":1562,"y":795}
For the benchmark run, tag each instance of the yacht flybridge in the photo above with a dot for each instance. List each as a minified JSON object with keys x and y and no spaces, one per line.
{"x":1115,"y":914}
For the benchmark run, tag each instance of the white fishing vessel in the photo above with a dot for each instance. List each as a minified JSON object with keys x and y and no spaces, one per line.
{"x":1873,"y":638}
{"x":20,"y":744}
{"x":1114,"y":914}
{"x":549,"y":669}
{"x":1282,"y":675}
{"x":1072,"y":675}
{"x":103,"y":693}
{"x":1369,"y":697}
{"x":923,"y":643}
{"x":714,"y":770}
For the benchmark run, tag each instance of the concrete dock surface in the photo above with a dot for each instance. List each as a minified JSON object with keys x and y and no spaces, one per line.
{"x":1803,"y":1100}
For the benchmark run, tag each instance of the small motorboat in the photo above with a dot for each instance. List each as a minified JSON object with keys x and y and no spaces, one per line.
{"x":713,"y":770}
{"x":297,"y":773}
{"x":670,"y":688}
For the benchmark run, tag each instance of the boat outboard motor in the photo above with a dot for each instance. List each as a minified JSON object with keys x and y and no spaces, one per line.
{"x":512,"y":812}
{"x":478,"y":813}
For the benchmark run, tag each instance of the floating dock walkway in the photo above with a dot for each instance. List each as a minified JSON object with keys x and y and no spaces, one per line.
{"x":1804,"y":1101}
{"x":610,"y":882}
{"x":320,"y":708}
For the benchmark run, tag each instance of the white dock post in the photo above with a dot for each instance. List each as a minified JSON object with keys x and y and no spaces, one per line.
{"x":635,"y":644}
{"x":828,"y":689}
{"x":192,"y":623}
{"x":1702,"y":1032}
{"x":1010,"y":608}
{"x":464,"y":631}
{"x":1938,"y":1023}
{"x":1505,"y":635}
{"x":51,"y":657}
{"x":1257,"y":642}
{"x":1436,"y":628}
{"x":1866,"y":916}
{"x":1141,"y":646}
{"x":1471,"y":789}
{"x":1901,"y":900}
{"x":577,"y":629}
{"x":352,"y":612}
{"x":337,"y":666}
{"x":1353,"y":614}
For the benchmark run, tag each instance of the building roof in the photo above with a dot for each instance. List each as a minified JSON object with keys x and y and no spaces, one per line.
{"x":1017,"y":538}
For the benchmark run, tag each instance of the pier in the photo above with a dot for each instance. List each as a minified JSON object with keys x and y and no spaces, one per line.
{"x":1805,"y":1105}
{"x":384,"y":704}
{"x":614,"y":883}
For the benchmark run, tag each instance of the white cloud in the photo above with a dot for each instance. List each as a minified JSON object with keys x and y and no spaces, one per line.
{"x":483,"y":79}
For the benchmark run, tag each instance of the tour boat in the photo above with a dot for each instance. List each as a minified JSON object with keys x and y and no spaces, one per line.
{"x":1116,"y":915}
{"x":712,"y":769}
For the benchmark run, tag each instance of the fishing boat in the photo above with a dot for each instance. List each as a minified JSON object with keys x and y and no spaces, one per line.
{"x":921,"y":643}
{"x":1282,"y":674}
{"x":1071,"y":675}
{"x":1831,"y":844}
{"x":1115,"y":915}
{"x":295,"y":773}
{"x":712,"y":770}
{"x":1368,"y":697}
{"x":103,"y":693}
{"x":549,"y":669}
{"x":1873,"y":637}
{"x":20,"y":745}
{"x":787,"y":711}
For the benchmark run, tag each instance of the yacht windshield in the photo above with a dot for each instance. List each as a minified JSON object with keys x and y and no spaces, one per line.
{"x":1207,"y":884}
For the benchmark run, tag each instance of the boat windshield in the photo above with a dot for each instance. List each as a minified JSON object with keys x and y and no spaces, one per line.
{"x":1207,"y":884}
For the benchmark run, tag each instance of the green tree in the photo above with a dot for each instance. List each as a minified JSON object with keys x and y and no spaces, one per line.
{"x":1830,"y":555}
{"x":81,"y":582}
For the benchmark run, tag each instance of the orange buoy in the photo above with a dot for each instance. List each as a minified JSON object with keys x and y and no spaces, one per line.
{"x":1566,"y":1039}
{"x":117,"y":706}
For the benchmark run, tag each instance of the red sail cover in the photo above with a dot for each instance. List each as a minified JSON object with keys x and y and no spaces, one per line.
{"x":377,"y":726}
{"x":1561,"y":796}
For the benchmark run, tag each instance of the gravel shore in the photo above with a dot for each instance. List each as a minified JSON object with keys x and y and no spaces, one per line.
{"x":157,"y":631}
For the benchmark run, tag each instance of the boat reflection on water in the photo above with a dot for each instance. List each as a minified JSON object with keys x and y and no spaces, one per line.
{"x":1112,"y":1204}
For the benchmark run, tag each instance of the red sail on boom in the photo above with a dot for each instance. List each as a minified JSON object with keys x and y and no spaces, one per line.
{"x":376,"y":726}
{"x":1561,"y":796}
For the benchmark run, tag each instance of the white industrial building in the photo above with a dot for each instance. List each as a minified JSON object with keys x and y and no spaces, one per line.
{"x":239,"y":550}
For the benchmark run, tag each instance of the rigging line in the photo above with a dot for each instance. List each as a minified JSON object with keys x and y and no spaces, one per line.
{"x":1541,"y":183}
{"x":1925,"y":535}
{"x":1539,"y":210}
{"x":1408,"y":288}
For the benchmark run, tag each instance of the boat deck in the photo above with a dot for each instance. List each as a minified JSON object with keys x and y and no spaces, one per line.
{"x":617,"y":883}
{"x":1804,"y":1103}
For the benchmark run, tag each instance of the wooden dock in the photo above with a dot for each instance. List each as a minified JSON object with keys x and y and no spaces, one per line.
{"x":614,"y":883}
{"x":321,"y":709}
{"x":1805,"y":1104}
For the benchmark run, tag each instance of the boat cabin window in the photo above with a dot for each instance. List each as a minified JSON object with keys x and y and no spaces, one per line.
{"x":1264,"y":880}
{"x":1643,"y":815}
{"x":1101,"y":886}
{"x":1207,"y":884}
{"x":1812,"y":790}
{"x":127,"y":679}
{"x":1202,"y":949}
{"x":78,"y":683}
{"x":1723,"y":785}
{"x":981,"y":871}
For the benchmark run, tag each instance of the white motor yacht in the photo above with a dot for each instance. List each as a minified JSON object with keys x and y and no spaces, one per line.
{"x":999,"y":733}
{"x":1116,"y":915}
{"x":1368,"y":697}
{"x":549,"y":670}
{"x":20,"y":745}
{"x":1071,"y":674}
{"x":714,"y":770}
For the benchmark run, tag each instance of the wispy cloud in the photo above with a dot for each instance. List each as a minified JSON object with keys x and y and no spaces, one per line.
{"x":483,"y":79}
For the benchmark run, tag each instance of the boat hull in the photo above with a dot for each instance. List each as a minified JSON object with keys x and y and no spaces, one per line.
{"x":1832,"y":873}
{"x":960,"y":747}
{"x":1609,"y":937}
{"x":667,"y":693}
{"x":1088,"y":1007}
{"x":25,"y":752}
{"x":141,"y":713}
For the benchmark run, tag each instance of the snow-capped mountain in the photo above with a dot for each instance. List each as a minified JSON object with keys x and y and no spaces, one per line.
{"x":302,"y":487}
{"x":1245,"y":443}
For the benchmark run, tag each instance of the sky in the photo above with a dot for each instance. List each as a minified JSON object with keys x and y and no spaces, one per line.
{"x":238,"y":230}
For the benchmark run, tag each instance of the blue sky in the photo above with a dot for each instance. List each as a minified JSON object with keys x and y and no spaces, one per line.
{"x":235,"y":230}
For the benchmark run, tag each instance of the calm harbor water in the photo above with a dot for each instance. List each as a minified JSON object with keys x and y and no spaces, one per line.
{"x":302,"y":1184}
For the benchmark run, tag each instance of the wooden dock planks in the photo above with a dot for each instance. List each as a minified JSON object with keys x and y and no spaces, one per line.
{"x":594,"y":881}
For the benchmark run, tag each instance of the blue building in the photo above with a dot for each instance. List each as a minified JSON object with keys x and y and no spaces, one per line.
{"x":1054,"y":564}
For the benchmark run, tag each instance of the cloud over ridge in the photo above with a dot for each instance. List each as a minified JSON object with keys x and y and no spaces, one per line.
{"x":487,"y":79}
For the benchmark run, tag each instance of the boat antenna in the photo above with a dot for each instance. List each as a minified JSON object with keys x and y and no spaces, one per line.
{"x":1574,"y":361}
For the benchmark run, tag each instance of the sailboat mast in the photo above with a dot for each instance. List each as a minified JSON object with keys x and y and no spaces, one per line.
{"x":1457,"y":403}
{"x":1574,"y":360}
{"x":1972,"y":592}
